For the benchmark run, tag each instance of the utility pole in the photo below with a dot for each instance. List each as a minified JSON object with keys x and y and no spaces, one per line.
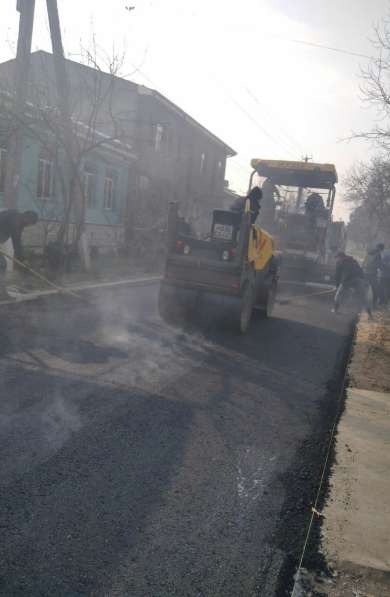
{"x":305,"y":158}
{"x":63,"y":93}
{"x":59,"y":59}
{"x":15,"y":144}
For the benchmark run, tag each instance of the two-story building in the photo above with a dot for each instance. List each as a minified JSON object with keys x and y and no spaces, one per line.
{"x":170,"y":156}
{"x":104,"y":179}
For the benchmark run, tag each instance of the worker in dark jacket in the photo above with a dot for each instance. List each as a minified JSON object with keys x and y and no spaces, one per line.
{"x":373,"y":268}
{"x":254,"y":197}
{"x":314,"y":203}
{"x":385,"y":278}
{"x":350,"y":276}
{"x":12,"y":224}
{"x":269,"y":201}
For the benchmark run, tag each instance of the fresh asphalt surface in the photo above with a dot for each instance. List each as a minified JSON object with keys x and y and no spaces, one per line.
{"x":147,"y":461}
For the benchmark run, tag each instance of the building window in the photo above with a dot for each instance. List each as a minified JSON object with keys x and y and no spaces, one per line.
{"x":110,"y":184}
{"x":45,"y":176}
{"x":202,"y":163}
{"x":89,"y":185}
{"x":179,"y":147}
{"x":143,"y":183}
{"x":158,"y":137}
{"x":3,"y":160}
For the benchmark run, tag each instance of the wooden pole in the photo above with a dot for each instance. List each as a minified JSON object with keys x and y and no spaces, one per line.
{"x":22,"y":66}
{"x":63,"y":95}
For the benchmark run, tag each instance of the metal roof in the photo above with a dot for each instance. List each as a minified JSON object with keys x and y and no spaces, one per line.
{"x":297,"y":174}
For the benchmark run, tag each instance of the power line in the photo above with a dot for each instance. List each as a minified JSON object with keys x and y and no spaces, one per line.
{"x":237,"y":164}
{"x":247,"y":114}
{"x":324,"y":47}
{"x":309,"y":43}
{"x":289,"y":138}
{"x":260,"y":126}
{"x":252,"y":119}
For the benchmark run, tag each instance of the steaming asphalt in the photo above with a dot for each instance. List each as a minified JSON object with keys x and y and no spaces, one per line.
{"x":146,"y":461}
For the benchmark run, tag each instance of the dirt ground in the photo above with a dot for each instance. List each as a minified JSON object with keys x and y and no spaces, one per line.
{"x":370,"y":365}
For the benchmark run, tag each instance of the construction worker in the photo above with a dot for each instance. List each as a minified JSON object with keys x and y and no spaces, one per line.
{"x":373,"y":268}
{"x":12,"y":224}
{"x":314,"y":204}
{"x":254,"y":196}
{"x":385,"y":278}
{"x":271,"y":197}
{"x":350,"y":276}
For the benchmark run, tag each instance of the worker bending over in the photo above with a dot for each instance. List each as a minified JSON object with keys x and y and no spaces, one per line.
{"x":12,"y":224}
{"x":350,"y":276}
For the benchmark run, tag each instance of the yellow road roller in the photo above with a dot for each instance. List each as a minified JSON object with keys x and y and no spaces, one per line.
{"x":234,"y":271}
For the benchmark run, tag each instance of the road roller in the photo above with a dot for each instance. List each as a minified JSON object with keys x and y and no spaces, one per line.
{"x":233,"y":273}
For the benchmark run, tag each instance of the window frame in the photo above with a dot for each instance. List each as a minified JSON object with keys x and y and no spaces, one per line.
{"x":111,"y":177}
{"x":202,"y":166}
{"x":158,"y":137}
{"x":45,"y":181}
{"x":89,"y":185}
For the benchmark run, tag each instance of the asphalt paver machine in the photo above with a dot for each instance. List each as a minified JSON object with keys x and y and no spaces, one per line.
{"x":304,"y":230}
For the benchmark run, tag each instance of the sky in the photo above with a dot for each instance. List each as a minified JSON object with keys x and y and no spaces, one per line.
{"x":238,"y":67}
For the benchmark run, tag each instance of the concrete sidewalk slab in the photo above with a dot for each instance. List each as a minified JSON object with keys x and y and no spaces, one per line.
{"x":356,"y":528}
{"x":356,"y":517}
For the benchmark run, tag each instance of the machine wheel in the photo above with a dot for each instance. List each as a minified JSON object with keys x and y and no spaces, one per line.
{"x":173,"y":308}
{"x":163,"y":305}
{"x":246,"y":308}
{"x":167,"y":306}
{"x":265,"y":309}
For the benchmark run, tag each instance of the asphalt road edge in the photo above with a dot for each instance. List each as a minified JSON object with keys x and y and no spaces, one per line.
{"x":303,"y":478}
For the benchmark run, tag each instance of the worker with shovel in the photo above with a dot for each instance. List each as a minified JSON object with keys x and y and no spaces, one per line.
{"x":350,"y":276}
{"x":12,"y":224}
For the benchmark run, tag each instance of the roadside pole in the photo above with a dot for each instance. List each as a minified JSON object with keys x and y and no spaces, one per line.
{"x":63,"y":92}
{"x":15,"y":144}
{"x":306,"y":158}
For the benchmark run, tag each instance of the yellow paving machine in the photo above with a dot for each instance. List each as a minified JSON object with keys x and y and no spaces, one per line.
{"x":301,"y":220}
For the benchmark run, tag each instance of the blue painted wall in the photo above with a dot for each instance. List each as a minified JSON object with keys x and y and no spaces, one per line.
{"x":52,"y":208}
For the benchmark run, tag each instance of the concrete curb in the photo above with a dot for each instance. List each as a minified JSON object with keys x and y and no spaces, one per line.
{"x":32,"y":296}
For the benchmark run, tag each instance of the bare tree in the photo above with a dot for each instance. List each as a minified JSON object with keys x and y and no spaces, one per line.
{"x":368,"y":184}
{"x":96,"y":123}
{"x":367,"y":188}
{"x":375,"y":87}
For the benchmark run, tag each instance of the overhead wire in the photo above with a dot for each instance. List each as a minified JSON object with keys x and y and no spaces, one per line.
{"x":325,"y":47}
{"x":237,"y":104}
{"x":283,"y":139}
{"x":261,"y":127}
{"x":254,"y":120}
{"x":288,"y":137}
{"x":289,"y":142}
